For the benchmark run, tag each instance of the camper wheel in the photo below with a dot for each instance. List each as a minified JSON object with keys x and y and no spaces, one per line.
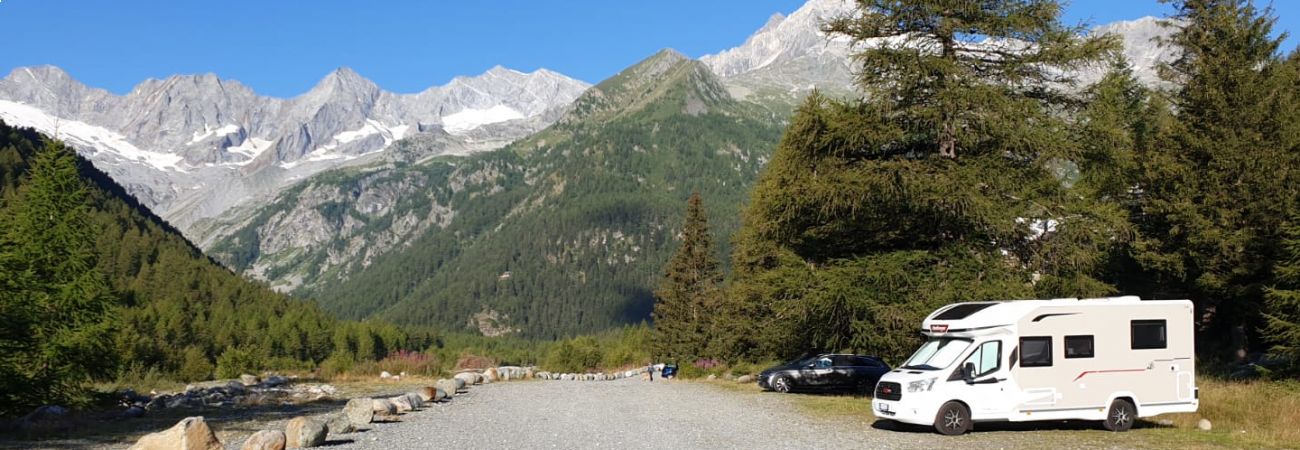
{"x":953,"y":419}
{"x":1120,"y":416}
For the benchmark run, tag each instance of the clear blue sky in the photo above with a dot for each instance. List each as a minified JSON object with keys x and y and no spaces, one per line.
{"x":282,"y":48}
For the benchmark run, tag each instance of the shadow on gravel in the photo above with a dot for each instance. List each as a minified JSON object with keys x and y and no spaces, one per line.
{"x":986,"y":427}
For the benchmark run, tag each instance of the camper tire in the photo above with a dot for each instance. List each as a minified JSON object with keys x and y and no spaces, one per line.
{"x":953,"y":419}
{"x":1120,"y":416}
{"x":781,"y":384}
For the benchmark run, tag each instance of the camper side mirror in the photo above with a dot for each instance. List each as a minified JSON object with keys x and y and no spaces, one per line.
{"x":968,"y":373}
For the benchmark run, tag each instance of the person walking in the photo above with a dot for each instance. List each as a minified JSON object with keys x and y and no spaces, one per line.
{"x":650,"y":372}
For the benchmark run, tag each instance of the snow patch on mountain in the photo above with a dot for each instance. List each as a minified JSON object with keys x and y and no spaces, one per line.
{"x":208,"y":132}
{"x":85,"y":137}
{"x":471,"y":118}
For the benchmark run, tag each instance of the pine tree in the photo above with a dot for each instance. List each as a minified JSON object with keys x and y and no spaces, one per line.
{"x":690,"y":294}
{"x":954,"y":180}
{"x":1219,"y":179}
{"x":1282,"y":301}
{"x":50,"y":246}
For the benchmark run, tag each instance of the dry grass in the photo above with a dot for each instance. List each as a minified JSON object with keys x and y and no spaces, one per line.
{"x":1243,"y":415}
{"x":1247,"y":414}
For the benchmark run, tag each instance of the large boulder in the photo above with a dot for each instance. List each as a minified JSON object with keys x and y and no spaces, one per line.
{"x":428,"y":394}
{"x":460,"y":384}
{"x":382,"y":406}
{"x":491,"y":375}
{"x":249,"y":379}
{"x":265,"y":440}
{"x":468,"y":377}
{"x":359,"y":411}
{"x":191,"y":433}
{"x":303,"y":432}
{"x":402,"y":403}
{"x":414,"y":398}
{"x":340,"y":424}
{"x":447,"y":386}
{"x":745,"y":379}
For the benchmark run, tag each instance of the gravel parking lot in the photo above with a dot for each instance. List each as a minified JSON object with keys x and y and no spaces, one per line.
{"x":634,"y":414}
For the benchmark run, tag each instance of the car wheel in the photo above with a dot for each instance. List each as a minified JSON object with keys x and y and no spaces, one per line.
{"x":1120,"y":416}
{"x":781,"y":384}
{"x":953,"y":419}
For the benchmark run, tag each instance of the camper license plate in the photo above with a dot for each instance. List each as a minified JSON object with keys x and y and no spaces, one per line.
{"x":883,"y":407}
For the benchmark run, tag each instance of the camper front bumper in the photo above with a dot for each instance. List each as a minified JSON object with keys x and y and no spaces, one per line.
{"x":903,"y":411}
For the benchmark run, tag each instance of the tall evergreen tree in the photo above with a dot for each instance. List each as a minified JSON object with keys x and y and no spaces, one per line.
{"x":49,"y":246}
{"x":689,"y":296}
{"x":952,"y":181}
{"x":1282,"y":301}
{"x":1219,"y":180}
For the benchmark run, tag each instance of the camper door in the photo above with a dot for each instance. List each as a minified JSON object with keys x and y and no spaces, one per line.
{"x":990,"y":390}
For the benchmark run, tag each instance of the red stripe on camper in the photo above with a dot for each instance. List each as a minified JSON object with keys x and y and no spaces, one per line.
{"x":1086,"y":372}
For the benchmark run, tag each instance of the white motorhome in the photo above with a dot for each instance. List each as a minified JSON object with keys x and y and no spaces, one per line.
{"x":1110,"y":359}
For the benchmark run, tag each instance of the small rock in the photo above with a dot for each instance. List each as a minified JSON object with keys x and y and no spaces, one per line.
{"x":248,"y":379}
{"x":712,"y":377}
{"x":745,"y":379}
{"x":133,"y":412}
{"x":191,"y":433}
{"x":265,"y":440}
{"x":403,"y":374}
{"x":460,"y":384}
{"x":385,"y":375}
{"x":491,"y":375}
{"x":359,"y":411}
{"x":302,"y":432}
{"x":47,"y":412}
{"x":275,"y":381}
{"x":1203,"y":425}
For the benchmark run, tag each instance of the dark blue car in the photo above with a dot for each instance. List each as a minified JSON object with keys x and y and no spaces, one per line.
{"x":825,"y":372}
{"x":670,"y":371}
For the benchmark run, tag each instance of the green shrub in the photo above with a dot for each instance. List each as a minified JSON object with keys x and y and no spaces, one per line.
{"x":195,"y":365}
{"x":237,"y":361}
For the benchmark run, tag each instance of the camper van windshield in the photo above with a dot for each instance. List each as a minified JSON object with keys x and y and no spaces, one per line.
{"x":937,"y":353}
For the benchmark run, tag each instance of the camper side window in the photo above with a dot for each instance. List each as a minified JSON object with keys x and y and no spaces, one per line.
{"x":1078,"y":347}
{"x":1147,"y":334}
{"x":987,"y":358}
{"x":1036,"y":351}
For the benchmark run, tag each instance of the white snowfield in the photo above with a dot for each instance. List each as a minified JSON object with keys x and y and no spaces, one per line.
{"x":85,"y":137}
{"x":470,"y":118}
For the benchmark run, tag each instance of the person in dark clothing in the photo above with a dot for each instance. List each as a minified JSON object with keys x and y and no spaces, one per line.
{"x":650,"y":372}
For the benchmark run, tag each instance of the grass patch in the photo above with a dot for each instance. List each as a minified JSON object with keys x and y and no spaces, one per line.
{"x":1258,"y":414}
{"x":1246,"y":414}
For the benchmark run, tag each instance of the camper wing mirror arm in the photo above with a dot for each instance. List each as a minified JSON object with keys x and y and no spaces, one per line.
{"x":968,"y":373}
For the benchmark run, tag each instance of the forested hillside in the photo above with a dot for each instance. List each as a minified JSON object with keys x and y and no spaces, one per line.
{"x":558,"y":234}
{"x":152,"y":300}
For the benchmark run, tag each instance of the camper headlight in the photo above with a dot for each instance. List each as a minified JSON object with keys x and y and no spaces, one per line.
{"x":921,"y":385}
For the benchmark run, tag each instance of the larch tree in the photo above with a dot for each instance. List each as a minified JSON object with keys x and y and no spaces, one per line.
{"x":690,"y":294}
{"x":1218,"y":181}
{"x":50,"y":245}
{"x":954,"y":179}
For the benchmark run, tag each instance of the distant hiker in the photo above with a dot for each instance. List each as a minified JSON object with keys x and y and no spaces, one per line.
{"x":650,"y":372}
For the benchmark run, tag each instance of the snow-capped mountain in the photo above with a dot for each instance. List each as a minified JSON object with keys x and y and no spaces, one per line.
{"x":789,"y":56}
{"x":192,"y":146}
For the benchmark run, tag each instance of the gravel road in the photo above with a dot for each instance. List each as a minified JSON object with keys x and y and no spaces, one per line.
{"x":634,"y":414}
